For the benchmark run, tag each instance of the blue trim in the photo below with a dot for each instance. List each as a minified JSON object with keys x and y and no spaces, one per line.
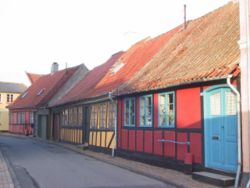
{"x":221,"y":86}
{"x":145,"y":110}
{"x":130,"y":100}
{"x":166,"y":113}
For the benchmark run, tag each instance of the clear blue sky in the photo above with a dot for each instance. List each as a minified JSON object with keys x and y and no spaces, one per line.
{"x":35,"y":33}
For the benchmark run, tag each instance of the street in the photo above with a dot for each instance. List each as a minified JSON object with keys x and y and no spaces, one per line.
{"x":41,"y":164}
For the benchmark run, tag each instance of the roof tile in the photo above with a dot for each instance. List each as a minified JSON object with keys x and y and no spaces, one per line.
{"x":50,"y":84}
{"x":206,"y":49}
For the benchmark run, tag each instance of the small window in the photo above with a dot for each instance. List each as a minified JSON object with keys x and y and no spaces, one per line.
{"x":102,"y":115}
{"x":31,"y":117}
{"x":166,"y":110}
{"x":230,"y":103}
{"x":65,"y":117}
{"x":8,"y":97}
{"x":93,"y":116}
{"x":11,"y":97}
{"x":129,"y":112}
{"x":40,"y":92}
{"x":116,"y":68}
{"x":80,"y":121}
{"x":112,"y":115}
{"x":24,"y":94}
{"x":21,"y":117}
{"x":146,"y":111}
{"x":215,"y":104}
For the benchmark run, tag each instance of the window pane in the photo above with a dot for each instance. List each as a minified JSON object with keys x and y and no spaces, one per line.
{"x":230,"y":103}
{"x":31,"y":117}
{"x":162,"y":110}
{"x":148,"y":111}
{"x":215,"y":104}
{"x":170,"y":98}
{"x":127,"y":112}
{"x":111,"y":115}
{"x":171,"y":114}
{"x":80,"y":116}
{"x":132,"y":112}
{"x":142,"y":112}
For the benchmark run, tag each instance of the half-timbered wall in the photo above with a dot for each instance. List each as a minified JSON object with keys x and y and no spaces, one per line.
{"x":102,"y":122}
{"x":164,"y":124}
{"x":21,"y":121}
{"x":71,"y":125}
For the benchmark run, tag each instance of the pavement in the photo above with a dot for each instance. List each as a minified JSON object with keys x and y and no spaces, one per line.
{"x":6,"y":180}
{"x":172,"y":177}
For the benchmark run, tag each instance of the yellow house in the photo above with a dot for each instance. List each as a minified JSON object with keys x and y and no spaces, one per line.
{"x":8,"y":93}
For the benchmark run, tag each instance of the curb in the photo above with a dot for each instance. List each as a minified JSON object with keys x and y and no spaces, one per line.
{"x":11,"y":171}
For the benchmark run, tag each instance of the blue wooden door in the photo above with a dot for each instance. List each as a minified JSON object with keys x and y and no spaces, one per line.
{"x":220,"y":129}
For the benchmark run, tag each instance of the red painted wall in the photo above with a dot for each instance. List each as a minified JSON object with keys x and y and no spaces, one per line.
{"x":181,"y":148}
{"x":148,"y":145}
{"x":188,"y":117}
{"x":196,"y":146}
{"x":131,"y":140}
{"x":188,"y":106}
{"x":139,"y":140}
{"x":158,"y":146}
{"x":21,"y":128}
{"x":169,"y":148}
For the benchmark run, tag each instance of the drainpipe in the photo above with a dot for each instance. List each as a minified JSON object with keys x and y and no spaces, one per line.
{"x":115,"y":123}
{"x":238,"y":130}
{"x":248,"y":62}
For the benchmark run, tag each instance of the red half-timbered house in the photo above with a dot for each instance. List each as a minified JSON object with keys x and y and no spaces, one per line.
{"x":29,"y":113}
{"x":179,"y":109}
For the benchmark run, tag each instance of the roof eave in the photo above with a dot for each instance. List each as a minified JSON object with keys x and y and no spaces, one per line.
{"x":176,"y":85}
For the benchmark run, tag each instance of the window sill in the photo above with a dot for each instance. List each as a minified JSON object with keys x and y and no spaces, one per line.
{"x":166,"y":126}
{"x":145,"y":126}
{"x":128,"y":126}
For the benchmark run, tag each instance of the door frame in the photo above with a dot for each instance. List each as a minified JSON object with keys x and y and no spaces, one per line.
{"x":206,"y":93}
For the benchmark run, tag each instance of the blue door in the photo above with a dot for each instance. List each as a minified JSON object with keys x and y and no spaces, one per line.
{"x":220,"y":129}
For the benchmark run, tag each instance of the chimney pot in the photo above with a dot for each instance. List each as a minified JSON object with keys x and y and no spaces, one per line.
{"x":54,"y":67}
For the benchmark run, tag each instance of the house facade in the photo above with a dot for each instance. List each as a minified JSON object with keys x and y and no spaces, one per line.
{"x":180,"y":110}
{"x":99,"y":106}
{"x":8,"y":93}
{"x":71,"y":114}
{"x":171,"y":100}
{"x":29,"y":114}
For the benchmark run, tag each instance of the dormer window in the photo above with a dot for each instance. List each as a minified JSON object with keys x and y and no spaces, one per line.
{"x":116,"y":68}
{"x":40,"y":92}
{"x":25,"y":94}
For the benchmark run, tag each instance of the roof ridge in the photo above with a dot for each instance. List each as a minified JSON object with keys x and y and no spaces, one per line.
{"x":6,"y":82}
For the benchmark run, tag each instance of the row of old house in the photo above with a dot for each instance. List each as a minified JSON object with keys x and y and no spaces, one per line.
{"x":165,"y":100}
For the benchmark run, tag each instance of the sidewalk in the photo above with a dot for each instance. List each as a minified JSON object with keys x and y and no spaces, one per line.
{"x":169,"y":176}
{"x":5,"y":176}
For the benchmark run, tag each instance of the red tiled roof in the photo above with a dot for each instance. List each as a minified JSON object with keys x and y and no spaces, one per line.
{"x":132,"y":61}
{"x":83,"y":89}
{"x":206,"y":49}
{"x":33,"y":77}
{"x":41,"y":91}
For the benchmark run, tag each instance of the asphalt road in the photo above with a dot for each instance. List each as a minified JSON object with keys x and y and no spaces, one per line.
{"x":40,"y":164}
